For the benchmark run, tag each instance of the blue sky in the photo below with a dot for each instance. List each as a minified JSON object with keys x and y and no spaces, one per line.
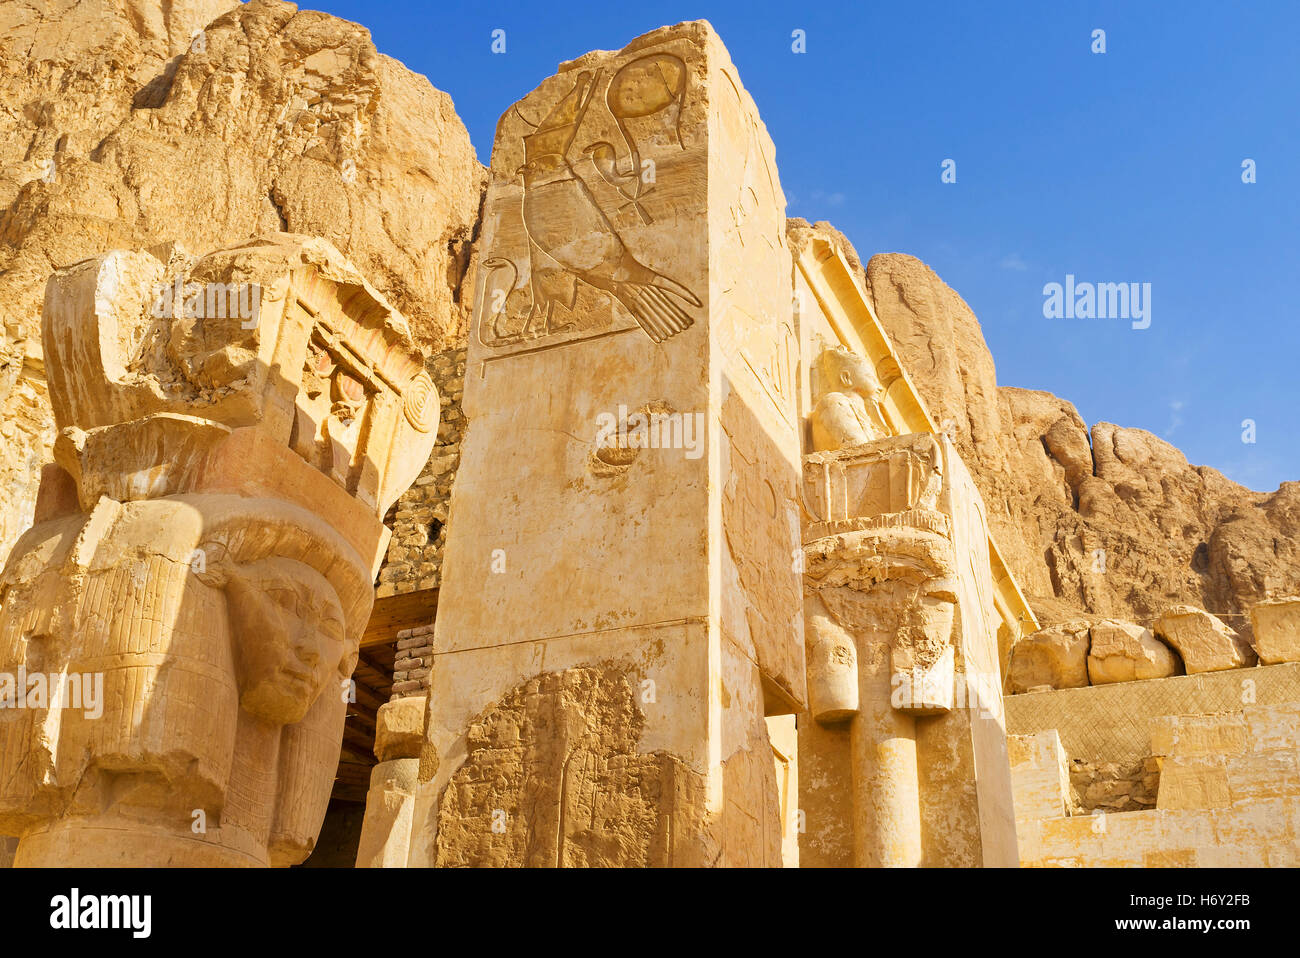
{"x":1124,"y":166}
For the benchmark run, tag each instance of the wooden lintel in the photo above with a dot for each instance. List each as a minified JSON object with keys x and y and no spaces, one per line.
{"x":393,"y":613}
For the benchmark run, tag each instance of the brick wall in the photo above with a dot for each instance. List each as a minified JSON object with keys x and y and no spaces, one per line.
{"x":419,"y":517}
{"x":413,"y":662}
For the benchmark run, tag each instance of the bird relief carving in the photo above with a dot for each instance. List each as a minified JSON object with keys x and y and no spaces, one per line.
{"x":570,"y":260}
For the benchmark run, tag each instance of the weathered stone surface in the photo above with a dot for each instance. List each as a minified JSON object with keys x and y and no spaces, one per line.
{"x":1113,"y":786}
{"x":1202,"y":641}
{"x":414,"y":558}
{"x":390,"y":807}
{"x":1055,"y":657}
{"x":232,"y":431}
{"x":399,"y":728}
{"x":1038,"y":775}
{"x":660,"y":307}
{"x":126,"y":127}
{"x":882,"y":600}
{"x":1123,"y":652}
{"x":1222,"y":777}
{"x":905,"y":617}
{"x":848,"y":407}
{"x":1109,"y":521}
{"x":558,"y":758}
{"x":1277,"y":629}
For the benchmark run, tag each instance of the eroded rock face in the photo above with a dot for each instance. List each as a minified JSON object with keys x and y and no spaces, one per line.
{"x":1203,"y":641}
{"x":1105,"y":520}
{"x":1124,"y":652}
{"x":553,"y":777}
{"x":1055,"y":657}
{"x":1113,"y":786}
{"x":126,"y":127}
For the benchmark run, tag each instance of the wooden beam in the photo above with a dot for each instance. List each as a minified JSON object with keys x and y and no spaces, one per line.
{"x":362,"y":721}
{"x":393,"y":613}
{"x":353,"y":772}
{"x":358,"y":739}
{"x":366,"y":696}
{"x":368,"y":660}
{"x":356,"y":756}
{"x":365,"y":708}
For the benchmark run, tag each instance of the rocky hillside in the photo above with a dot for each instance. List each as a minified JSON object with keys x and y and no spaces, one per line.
{"x":1102,"y":520}
{"x":128,"y":123}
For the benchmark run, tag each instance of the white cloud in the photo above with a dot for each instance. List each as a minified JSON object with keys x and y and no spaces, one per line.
{"x":1175,"y":415}
{"x":828,"y":199}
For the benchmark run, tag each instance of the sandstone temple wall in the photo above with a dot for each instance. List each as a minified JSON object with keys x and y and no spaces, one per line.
{"x":594,"y":675}
{"x":1224,"y":748}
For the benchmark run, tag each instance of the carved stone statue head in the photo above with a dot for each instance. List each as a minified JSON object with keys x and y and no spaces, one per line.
{"x":207,"y":545}
{"x":843,"y":370}
{"x":290,"y":637}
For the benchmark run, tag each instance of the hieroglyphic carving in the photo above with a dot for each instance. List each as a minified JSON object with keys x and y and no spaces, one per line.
{"x":718,"y":637}
{"x":643,"y":88}
{"x":573,"y":249}
{"x":553,"y":778}
{"x":757,"y":175}
{"x":760,"y":520}
{"x":768,"y":350}
{"x":207,"y":550}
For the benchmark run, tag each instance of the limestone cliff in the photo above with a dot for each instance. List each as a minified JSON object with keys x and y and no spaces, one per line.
{"x":128,"y":123}
{"x":1109,"y":521}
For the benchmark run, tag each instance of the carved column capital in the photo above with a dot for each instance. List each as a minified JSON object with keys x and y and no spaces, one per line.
{"x":234,"y":428}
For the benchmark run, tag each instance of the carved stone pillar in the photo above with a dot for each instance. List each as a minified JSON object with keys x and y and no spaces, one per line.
{"x":231,"y":433}
{"x":620,"y":610}
{"x":880,"y":612}
{"x":903,"y":748}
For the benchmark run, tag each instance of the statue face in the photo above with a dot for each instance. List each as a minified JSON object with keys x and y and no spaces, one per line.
{"x":859,"y":376}
{"x":289,"y":637}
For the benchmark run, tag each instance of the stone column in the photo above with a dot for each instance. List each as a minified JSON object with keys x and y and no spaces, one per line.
{"x":888,"y":598}
{"x":886,"y":790}
{"x":879,"y":563}
{"x":619,"y":605}
{"x":390,"y":803}
{"x":232,"y":431}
